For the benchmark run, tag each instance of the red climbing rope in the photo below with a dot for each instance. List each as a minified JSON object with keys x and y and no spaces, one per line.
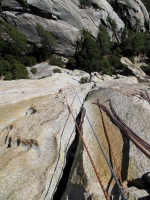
{"x":142,"y":145}
{"x":112,"y":153}
{"x":94,"y":167}
{"x":145,"y":96}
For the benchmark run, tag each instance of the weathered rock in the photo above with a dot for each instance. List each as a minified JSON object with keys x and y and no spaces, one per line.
{"x":37,"y":137}
{"x":35,"y":134}
{"x":46,"y":70}
{"x":96,"y":77}
{"x":135,"y":11}
{"x":11,"y":4}
{"x":132,"y":163}
{"x":66,"y":19}
{"x":133,"y":67}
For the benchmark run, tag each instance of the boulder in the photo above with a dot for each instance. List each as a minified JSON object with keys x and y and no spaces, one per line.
{"x":83,"y":181}
{"x":36,"y":133}
{"x":135,"y":68}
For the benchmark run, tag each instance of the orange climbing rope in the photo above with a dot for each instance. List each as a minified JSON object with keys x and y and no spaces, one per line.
{"x":93,"y":165}
{"x":142,"y":145}
{"x":112,"y":152}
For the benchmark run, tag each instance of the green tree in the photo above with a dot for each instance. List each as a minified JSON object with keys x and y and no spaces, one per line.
{"x":87,"y":52}
{"x":10,"y":69}
{"x":133,"y":43}
{"x":12,"y":41}
{"x":103,"y":40}
{"x":48,"y":41}
{"x":19,"y":71}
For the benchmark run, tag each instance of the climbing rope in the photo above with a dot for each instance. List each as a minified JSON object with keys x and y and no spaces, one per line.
{"x":145,"y":96}
{"x":101,"y":148}
{"x":144,"y":143}
{"x":112,"y":152}
{"x":96,"y":172}
{"x":125,"y":130}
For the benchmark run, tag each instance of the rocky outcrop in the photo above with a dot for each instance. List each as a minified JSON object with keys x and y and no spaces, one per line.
{"x":82,"y":178}
{"x":41,"y":155}
{"x":36,"y":133}
{"x":135,"y":68}
{"x":134,"y":12}
{"x":65,"y":19}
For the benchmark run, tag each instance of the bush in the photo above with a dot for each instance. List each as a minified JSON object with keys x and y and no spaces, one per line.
{"x":146,"y":69}
{"x":33,"y":70}
{"x":71,"y":64}
{"x":23,"y":3}
{"x":19,"y":71}
{"x":106,"y":67}
{"x":28,"y":60}
{"x":83,"y":80}
{"x":14,"y":42}
{"x":56,"y":61}
{"x":56,"y":70}
{"x":12,"y":70}
{"x":87,"y":54}
{"x":48,"y":41}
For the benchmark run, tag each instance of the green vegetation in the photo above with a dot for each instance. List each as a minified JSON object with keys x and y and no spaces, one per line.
{"x":16,"y":54}
{"x":83,"y":80}
{"x":33,"y":70}
{"x":102,"y":55}
{"x":146,"y":69}
{"x":12,"y":69}
{"x":84,"y":3}
{"x":48,"y":42}
{"x":147,"y":4}
{"x":56,"y":60}
{"x":94,"y":54}
{"x":13,"y":53}
{"x":28,"y":60}
{"x":56,"y":70}
{"x":12,"y":41}
{"x":23,"y":3}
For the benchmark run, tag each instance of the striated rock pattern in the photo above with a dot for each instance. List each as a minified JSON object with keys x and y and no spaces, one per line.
{"x":65,"y":18}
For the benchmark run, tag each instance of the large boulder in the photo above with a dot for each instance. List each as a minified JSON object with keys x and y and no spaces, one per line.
{"x":36,"y":133}
{"x":83,"y":183}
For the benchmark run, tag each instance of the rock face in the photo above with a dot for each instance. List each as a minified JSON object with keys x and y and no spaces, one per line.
{"x":36,"y":133}
{"x":41,"y":155}
{"x":135,"y":68}
{"x":65,"y":19}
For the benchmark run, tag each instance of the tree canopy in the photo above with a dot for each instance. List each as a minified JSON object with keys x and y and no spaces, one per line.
{"x":48,"y":41}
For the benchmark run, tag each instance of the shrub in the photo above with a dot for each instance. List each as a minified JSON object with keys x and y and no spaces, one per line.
{"x":106,"y":67}
{"x":56,"y":61}
{"x":48,"y":41}
{"x":33,"y":70}
{"x":23,"y":3}
{"x":12,"y":70}
{"x":12,"y":41}
{"x":19,"y":71}
{"x":146,"y":69}
{"x":83,"y":80}
{"x":71,"y":64}
{"x":28,"y":60}
{"x":87,"y":52}
{"x":56,"y":70}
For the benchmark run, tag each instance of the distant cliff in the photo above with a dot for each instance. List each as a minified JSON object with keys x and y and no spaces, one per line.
{"x":65,"y":18}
